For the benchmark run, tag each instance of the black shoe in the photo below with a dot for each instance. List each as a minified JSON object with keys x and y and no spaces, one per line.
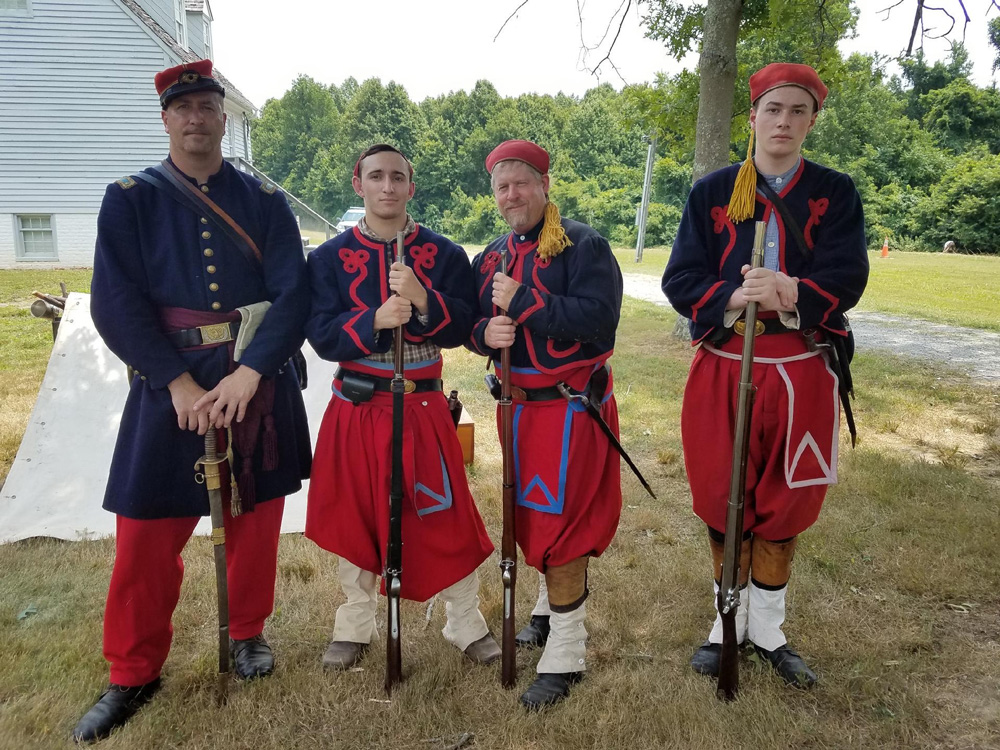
{"x":115,"y":707}
{"x":252,"y":657}
{"x":706,"y":659}
{"x":789,"y":665}
{"x":548,"y":689}
{"x":535,"y":633}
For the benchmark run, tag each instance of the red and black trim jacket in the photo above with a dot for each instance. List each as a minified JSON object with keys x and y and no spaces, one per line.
{"x":349,"y":281}
{"x":567,"y":307}
{"x":704,"y":266}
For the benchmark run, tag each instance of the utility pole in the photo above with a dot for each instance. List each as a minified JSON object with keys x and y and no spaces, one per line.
{"x":644,"y":207}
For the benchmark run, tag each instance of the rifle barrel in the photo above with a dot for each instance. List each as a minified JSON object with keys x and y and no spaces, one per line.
{"x":508,"y":544}
{"x":394,"y":551}
{"x":728,"y":601}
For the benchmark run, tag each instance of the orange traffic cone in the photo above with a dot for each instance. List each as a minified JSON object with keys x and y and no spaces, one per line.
{"x":885,"y":248}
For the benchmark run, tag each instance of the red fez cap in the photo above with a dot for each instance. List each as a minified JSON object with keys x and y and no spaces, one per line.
{"x":186,"y":79}
{"x":776,"y":75}
{"x":526,"y":151}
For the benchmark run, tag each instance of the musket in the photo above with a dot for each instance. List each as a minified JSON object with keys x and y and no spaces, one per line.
{"x":394,"y":550}
{"x":729,"y":587}
{"x":508,"y":544}
{"x":207,"y":468}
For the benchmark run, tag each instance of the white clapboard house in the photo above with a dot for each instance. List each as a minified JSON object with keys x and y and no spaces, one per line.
{"x":78,"y":110}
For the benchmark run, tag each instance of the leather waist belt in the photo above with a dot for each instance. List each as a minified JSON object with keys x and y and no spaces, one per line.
{"x":545,"y":393}
{"x":385,"y":384}
{"x":217,"y":333}
{"x":764,"y":327}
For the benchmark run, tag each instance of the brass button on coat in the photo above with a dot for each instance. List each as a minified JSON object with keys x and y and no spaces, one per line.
{"x":206,"y":235}
{"x":213,"y":287}
{"x":204,"y":220}
{"x":208,"y":252}
{"x":210,"y":269}
{"x":204,"y":188}
{"x":216,"y":305}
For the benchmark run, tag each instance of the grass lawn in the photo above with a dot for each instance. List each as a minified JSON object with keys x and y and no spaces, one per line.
{"x":962,"y":290}
{"x":895,"y":601}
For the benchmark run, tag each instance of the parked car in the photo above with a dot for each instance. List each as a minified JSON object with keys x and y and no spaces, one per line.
{"x":350,"y":218}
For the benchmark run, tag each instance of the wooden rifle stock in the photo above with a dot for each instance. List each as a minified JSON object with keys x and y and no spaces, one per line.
{"x":729,"y":588}
{"x":394,"y":551}
{"x":508,"y":544}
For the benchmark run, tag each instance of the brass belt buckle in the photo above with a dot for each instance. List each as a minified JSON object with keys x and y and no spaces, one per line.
{"x":740,"y":327}
{"x":409,"y":386}
{"x":217,"y":333}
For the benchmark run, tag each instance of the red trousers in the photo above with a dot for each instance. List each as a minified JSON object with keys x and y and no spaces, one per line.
{"x":793,"y":436}
{"x":569,"y":495}
{"x":146,"y":585}
{"x":444,"y":539}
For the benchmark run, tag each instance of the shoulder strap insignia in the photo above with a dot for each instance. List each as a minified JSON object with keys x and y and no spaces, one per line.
{"x":268,"y":187}
{"x":126,"y":182}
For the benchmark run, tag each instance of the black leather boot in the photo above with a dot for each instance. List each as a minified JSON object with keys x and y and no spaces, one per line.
{"x":789,"y":665}
{"x":706,"y":659}
{"x":116,"y":706}
{"x":252,"y":657}
{"x":549,"y":689}
{"x":535,"y":633}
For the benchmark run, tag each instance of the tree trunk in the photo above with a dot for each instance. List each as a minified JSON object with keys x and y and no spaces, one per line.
{"x":717,"y":72}
{"x":717,"y":69}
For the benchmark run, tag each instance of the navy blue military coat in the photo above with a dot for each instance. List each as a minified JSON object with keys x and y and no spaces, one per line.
{"x":567,"y":307}
{"x":709,"y":251}
{"x":349,"y":276}
{"x":154,"y":253}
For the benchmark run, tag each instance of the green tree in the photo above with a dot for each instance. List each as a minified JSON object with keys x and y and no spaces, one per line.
{"x":292,"y":130}
{"x":964,"y":206}
{"x":961,"y":115}
{"x":597,"y":133}
{"x":923,"y":78}
{"x":864,"y":131}
{"x":374,"y":114}
{"x":472,"y":219}
{"x":993,"y":30}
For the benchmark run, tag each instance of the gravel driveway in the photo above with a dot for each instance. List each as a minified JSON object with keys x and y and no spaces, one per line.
{"x":975,"y":352}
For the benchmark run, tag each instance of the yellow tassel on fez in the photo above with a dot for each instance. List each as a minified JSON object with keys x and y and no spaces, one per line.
{"x":553,"y":239}
{"x":741,"y":204}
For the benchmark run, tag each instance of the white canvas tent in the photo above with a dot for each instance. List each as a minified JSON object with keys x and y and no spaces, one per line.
{"x":56,"y":485}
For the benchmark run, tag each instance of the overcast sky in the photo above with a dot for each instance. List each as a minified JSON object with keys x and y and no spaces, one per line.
{"x":432,"y":47}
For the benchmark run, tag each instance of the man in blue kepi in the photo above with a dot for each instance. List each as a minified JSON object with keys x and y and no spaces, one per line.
{"x":180,"y":284}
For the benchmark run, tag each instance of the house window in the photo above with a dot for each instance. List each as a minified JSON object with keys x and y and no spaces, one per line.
{"x":15,"y":7}
{"x":179,"y":16}
{"x":36,"y":238}
{"x":208,"y":39}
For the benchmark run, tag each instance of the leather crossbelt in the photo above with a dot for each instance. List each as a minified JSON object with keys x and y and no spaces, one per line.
{"x":216,"y":333}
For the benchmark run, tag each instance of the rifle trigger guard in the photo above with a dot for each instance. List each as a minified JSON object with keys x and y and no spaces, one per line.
{"x":506,"y":571}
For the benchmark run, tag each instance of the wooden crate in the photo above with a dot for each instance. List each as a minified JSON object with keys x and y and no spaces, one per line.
{"x":467,"y":436}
